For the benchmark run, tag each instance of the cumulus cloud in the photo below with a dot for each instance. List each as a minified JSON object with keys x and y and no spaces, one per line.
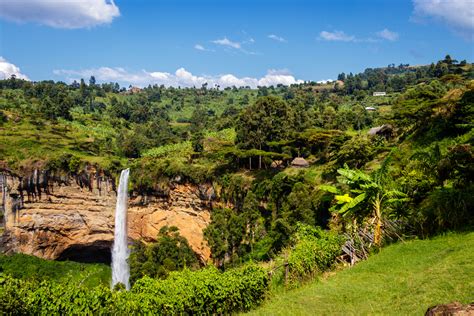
{"x":226,"y":42}
{"x":336,"y":36}
{"x":458,"y":14}
{"x":8,"y":69}
{"x":180,"y":78}
{"x":70,"y":14}
{"x":388,"y":35}
{"x":277,"y":38}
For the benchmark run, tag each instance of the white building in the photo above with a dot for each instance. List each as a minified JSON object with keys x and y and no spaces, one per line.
{"x":379,"y":94}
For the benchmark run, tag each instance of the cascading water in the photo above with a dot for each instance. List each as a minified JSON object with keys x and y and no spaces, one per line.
{"x":120,"y":251}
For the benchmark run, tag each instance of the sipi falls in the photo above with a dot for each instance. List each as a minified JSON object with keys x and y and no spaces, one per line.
{"x":120,"y":251}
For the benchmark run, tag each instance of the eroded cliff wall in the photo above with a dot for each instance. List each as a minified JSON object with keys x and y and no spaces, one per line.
{"x":56,"y":216}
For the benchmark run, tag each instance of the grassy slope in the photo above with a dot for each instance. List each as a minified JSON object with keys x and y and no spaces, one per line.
{"x":36,"y":139}
{"x":404,"y":279}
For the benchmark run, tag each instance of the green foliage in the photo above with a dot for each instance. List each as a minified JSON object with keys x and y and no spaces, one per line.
{"x":170,"y":252}
{"x":206,"y":291}
{"x":269,"y":119}
{"x":356,"y":152}
{"x":444,"y":209}
{"x":179,"y":150}
{"x":314,"y":251}
{"x":25,"y":267}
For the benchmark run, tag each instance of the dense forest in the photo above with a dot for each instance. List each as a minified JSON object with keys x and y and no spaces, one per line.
{"x":300,"y":172}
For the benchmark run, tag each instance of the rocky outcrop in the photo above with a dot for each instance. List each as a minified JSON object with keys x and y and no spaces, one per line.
{"x":185,"y":208}
{"x":72,"y":217}
{"x":450,"y":309}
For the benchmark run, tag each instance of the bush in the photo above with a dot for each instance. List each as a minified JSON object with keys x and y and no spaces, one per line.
{"x":206,"y":291}
{"x":170,"y":252}
{"x":446,"y":209}
{"x":314,"y":250}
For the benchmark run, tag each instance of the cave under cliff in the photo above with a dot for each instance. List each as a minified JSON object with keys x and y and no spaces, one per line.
{"x":96,"y":252}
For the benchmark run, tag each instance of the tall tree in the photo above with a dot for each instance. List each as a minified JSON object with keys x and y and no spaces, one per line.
{"x":268,"y":119}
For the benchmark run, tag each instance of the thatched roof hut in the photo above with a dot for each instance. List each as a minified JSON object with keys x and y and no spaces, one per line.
{"x":299,"y":162}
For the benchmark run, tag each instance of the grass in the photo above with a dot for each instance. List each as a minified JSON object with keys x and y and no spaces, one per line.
{"x":26,"y":267}
{"x":34,"y":139}
{"x":403,"y":279}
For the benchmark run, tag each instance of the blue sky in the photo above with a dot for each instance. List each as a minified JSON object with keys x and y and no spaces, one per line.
{"x":226,"y":42}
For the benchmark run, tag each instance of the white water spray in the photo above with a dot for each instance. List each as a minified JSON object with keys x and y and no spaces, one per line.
{"x":120,"y":251}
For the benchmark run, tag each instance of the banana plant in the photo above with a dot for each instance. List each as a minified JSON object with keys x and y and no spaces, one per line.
{"x":362,"y":192}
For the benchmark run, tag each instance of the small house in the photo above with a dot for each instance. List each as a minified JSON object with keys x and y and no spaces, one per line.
{"x":370,"y":108}
{"x":379,"y":94}
{"x":134,"y":90}
{"x":299,"y":162}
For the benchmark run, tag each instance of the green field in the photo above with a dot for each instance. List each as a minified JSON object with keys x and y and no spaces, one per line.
{"x":403,"y":279}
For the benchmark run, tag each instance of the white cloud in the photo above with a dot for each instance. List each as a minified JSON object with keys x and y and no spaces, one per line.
{"x":69,"y":14}
{"x":181,"y":77}
{"x":199,"y":47}
{"x":202,"y":48}
{"x":226,"y":42}
{"x":275,"y":79}
{"x":341,"y":36}
{"x":458,"y":14}
{"x":277,"y":38}
{"x":238,"y":46}
{"x":337,"y":36}
{"x":8,"y":69}
{"x":388,"y":35}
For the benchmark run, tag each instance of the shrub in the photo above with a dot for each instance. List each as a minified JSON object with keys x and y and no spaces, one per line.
{"x":314,"y":250}
{"x":206,"y":291}
{"x":445,"y":209}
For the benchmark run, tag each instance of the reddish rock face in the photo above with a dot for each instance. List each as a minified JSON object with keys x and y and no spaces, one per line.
{"x":76,"y":221}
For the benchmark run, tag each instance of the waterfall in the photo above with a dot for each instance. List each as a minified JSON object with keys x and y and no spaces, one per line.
{"x":120,"y":251}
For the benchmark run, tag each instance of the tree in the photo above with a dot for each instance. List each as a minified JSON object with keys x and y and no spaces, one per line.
{"x":170,"y":252}
{"x":92,"y":81}
{"x":225,"y":234}
{"x":268,"y":119}
{"x":197,"y":141}
{"x":362,"y":192}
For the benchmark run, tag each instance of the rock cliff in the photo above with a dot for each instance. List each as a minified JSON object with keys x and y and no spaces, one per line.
{"x":63,"y":217}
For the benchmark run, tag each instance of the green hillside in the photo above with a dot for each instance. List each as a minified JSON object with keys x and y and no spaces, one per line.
{"x":403,"y":279}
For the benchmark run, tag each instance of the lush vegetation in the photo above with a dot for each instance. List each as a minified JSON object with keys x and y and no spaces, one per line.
{"x":403,"y":279}
{"x":24,"y":267}
{"x":206,"y":291}
{"x":363,"y":188}
{"x":170,"y":252}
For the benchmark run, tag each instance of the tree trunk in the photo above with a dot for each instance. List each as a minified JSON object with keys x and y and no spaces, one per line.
{"x":378,"y":218}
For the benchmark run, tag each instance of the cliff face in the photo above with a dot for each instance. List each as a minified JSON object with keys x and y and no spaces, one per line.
{"x":65,"y":217}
